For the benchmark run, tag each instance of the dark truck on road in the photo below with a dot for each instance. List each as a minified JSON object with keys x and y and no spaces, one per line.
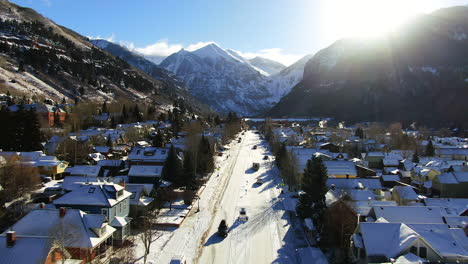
{"x":222,"y":229}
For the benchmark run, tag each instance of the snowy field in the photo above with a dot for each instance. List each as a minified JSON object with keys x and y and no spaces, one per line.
{"x":267,"y":237}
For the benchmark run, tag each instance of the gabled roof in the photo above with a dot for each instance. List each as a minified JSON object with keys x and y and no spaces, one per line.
{"x":405,"y":192}
{"x":95,"y":194}
{"x":73,"y":228}
{"x":409,"y":214}
{"x":386,"y":239}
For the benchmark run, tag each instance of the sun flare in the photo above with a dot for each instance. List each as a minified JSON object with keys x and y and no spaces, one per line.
{"x":369,"y":18}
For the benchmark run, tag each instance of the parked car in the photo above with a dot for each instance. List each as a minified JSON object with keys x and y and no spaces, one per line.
{"x":222,"y":229}
{"x":254,"y":147}
{"x":265,"y":157}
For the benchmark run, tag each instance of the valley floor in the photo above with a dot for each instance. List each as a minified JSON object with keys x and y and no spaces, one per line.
{"x":271,"y":235}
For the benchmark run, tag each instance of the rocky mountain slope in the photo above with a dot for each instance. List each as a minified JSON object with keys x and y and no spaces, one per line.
{"x":40,"y":58}
{"x":228,"y":82}
{"x":266,"y":65}
{"x":418,"y":73}
{"x":221,"y":79}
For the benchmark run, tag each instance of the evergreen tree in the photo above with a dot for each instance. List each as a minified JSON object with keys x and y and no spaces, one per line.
{"x":124,"y":114}
{"x":158,"y":140}
{"x":173,"y":169}
{"x":312,"y":202}
{"x":189,"y":170}
{"x":64,"y":100}
{"x":104,"y":107}
{"x":282,"y":156}
{"x":415,"y":157}
{"x":430,"y":151}
{"x":113,"y":123}
{"x":359,"y":133}
{"x":31,"y":133}
{"x":109,"y":142}
{"x":137,"y":114}
{"x":205,"y":161}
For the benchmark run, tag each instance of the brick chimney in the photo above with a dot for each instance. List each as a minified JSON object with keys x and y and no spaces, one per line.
{"x":42,"y":206}
{"x":11,"y":238}
{"x":62,"y":212}
{"x":122,"y":183}
{"x":333,"y":187}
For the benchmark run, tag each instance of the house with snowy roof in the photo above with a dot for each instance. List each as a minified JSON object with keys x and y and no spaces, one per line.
{"x":404,"y":195}
{"x":140,"y":200}
{"x":148,"y":156}
{"x":452,"y":153}
{"x":407,"y":214}
{"x":340,"y":169}
{"x":384,"y":242}
{"x":49,"y":235}
{"x":85,"y":170}
{"x":450,"y":206}
{"x":451,"y":185}
{"x":150,"y":174}
{"x":49,"y":166}
{"x":108,"y":199}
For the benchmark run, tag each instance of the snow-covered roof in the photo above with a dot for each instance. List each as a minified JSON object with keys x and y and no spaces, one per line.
{"x":405,"y":192}
{"x":447,"y":178}
{"x":95,"y":193}
{"x":110,"y":163}
{"x":390,"y":178}
{"x":409,"y":258}
{"x":148,"y":154}
{"x":73,"y":225}
{"x":84,"y":170}
{"x":119,"y":221}
{"x":37,"y":249}
{"x":364,"y":207}
{"x":340,"y":167}
{"x":398,"y":237}
{"x":145,"y":171}
{"x":340,"y":183}
{"x":409,"y":214}
{"x":450,"y":206}
{"x":461,"y":176}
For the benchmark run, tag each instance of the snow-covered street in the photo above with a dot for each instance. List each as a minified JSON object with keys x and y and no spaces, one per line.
{"x":267,"y":237}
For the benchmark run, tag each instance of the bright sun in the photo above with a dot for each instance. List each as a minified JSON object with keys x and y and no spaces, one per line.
{"x":369,"y":18}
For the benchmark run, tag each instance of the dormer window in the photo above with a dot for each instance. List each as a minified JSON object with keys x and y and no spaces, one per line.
{"x":119,"y":193}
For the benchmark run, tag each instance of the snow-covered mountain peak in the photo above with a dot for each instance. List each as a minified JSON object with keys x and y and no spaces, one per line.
{"x":212,"y":51}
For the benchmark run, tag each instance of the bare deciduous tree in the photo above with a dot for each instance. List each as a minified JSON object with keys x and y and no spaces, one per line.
{"x":149,"y":233}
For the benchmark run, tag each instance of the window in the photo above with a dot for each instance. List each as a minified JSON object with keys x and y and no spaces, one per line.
{"x":104,"y":212}
{"x":414,"y":250}
{"x":423,"y":252}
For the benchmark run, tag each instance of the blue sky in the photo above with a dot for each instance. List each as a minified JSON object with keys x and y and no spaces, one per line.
{"x":284,"y":30}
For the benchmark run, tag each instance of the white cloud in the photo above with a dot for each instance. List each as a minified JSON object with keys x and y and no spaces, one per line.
{"x":160,"y":48}
{"x":110,"y":38}
{"x":275,"y":54}
{"x":198,"y":45}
